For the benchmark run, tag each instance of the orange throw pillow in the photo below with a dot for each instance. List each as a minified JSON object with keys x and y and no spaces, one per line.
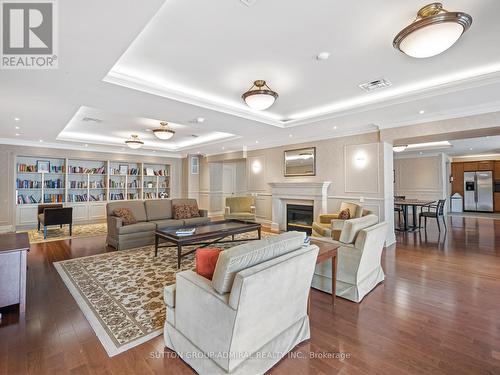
{"x":345,"y":214}
{"x":206,"y":260}
{"x":185,"y":211}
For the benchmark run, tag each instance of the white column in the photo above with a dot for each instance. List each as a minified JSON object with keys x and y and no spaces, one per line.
{"x":387,"y":213}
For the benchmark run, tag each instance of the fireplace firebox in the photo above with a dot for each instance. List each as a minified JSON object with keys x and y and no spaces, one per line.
{"x":299,"y":217}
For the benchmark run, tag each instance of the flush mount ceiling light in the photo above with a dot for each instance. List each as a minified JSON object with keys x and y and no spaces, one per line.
{"x":163,"y":132}
{"x":134,"y":142}
{"x":260,"y":96}
{"x":399,"y":148}
{"x":433,"y":31}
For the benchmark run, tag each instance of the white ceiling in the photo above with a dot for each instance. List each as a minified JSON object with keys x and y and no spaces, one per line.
{"x":186,"y":59}
{"x":460,"y":147}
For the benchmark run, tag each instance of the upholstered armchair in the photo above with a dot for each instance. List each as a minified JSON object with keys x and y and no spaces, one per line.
{"x":330,"y":225}
{"x":49,"y":215}
{"x":359,"y":268}
{"x":246,"y":318}
{"x":241,"y":208}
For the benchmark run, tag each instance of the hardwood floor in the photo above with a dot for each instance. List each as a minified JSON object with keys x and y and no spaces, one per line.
{"x":437,"y":312}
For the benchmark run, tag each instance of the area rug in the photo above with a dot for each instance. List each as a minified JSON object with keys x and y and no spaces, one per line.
{"x":56,"y":234}
{"x":121,"y":293}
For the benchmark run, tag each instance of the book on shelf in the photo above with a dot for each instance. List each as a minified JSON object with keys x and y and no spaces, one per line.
{"x":132,"y":196}
{"x":97,"y":197}
{"x":99,"y":170}
{"x":54,"y":184}
{"x":26,"y":167}
{"x":133,"y":172}
{"x":149,"y":195}
{"x":53,"y":198}
{"x":77,"y":197}
{"x":78,"y":184}
{"x":26,"y":199}
{"x":28,"y":184}
{"x":116,"y":196}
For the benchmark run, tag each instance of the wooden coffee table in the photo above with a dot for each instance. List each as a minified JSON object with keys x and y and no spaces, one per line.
{"x":327,"y":250}
{"x":205,"y":235}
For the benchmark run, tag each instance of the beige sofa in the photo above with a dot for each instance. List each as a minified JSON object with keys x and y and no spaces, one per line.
{"x":359,"y":268}
{"x":246,"y":319}
{"x":151,"y":215}
{"x":241,"y":208}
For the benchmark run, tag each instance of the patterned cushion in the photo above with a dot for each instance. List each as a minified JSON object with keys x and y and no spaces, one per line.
{"x":345,"y":214}
{"x":126,"y":214}
{"x":185,"y":211}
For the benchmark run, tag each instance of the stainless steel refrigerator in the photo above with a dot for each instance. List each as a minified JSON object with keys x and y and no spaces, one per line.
{"x":478,"y":190}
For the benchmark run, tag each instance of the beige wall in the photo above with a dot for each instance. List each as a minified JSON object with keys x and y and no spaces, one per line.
{"x":9,"y":153}
{"x":421,"y":177}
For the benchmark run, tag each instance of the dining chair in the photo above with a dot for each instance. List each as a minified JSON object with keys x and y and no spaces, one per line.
{"x":398,"y":208}
{"x":434,"y":211}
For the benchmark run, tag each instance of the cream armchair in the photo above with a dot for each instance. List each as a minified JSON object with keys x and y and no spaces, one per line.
{"x":247,"y":318}
{"x":329,"y":225}
{"x":241,"y":208}
{"x":359,"y":268}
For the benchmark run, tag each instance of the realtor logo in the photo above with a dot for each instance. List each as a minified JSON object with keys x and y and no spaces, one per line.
{"x":28,"y":35}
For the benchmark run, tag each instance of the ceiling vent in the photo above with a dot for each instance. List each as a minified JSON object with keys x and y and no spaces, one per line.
{"x":91,"y":119}
{"x":375,"y":85}
{"x":248,"y":3}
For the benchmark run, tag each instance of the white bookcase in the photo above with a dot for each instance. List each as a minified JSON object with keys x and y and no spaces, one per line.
{"x":86,"y":185}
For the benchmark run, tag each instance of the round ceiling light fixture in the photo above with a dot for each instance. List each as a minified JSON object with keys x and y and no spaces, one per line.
{"x":134,"y":142}
{"x":433,"y":31}
{"x":260,"y":96}
{"x":163,"y":132}
{"x":399,"y":148}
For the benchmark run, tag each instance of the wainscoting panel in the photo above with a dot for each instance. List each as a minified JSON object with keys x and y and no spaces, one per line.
{"x":362,"y":168}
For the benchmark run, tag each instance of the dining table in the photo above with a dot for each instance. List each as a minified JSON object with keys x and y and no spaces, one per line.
{"x":405,"y":204}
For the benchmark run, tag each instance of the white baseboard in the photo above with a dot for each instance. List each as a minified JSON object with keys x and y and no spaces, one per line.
{"x":6,"y":228}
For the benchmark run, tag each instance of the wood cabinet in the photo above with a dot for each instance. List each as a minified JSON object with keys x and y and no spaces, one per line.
{"x":497,"y":170}
{"x":470,"y":166}
{"x":488,"y":165}
{"x":457,"y":171}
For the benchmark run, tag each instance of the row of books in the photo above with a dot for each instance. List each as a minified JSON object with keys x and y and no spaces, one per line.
{"x":134,"y":184}
{"x":53,"y":198}
{"x":150,"y":196}
{"x":152,"y":172}
{"x":54,"y":184}
{"x":77,"y":197}
{"x":25,"y":199}
{"x":97,"y":197}
{"x":97,"y":185}
{"x":28,"y":184}
{"x":33,"y":168}
{"x":116,"y":196}
{"x":116,"y":184}
{"x":78,"y":184}
{"x":100,"y":170}
{"x":133,"y":196}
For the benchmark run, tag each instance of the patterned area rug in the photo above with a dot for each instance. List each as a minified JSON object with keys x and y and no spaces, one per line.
{"x":56,"y":234}
{"x":121,"y":293}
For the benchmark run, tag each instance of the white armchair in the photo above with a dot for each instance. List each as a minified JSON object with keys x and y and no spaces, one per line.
{"x":359,"y":259}
{"x":250,"y":315}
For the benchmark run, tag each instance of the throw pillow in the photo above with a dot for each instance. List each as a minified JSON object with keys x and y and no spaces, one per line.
{"x":195,"y":212}
{"x":126,"y":215}
{"x":206,"y":260}
{"x":181,"y":211}
{"x":345,"y":214}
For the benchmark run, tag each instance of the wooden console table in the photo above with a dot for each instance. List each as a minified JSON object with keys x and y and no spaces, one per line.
{"x":14,"y":248}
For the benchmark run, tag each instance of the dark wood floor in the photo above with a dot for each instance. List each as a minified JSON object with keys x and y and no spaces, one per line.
{"x":437,"y":312}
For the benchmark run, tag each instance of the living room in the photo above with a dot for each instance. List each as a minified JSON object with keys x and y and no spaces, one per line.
{"x":248,"y":188}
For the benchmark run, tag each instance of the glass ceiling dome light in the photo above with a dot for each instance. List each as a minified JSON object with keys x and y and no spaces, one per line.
{"x":260,"y":96}
{"x":163,"y":132}
{"x":134,"y":142}
{"x":433,"y":31}
{"x":399,"y":148}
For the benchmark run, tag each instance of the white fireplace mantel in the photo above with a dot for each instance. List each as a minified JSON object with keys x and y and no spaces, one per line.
{"x":313,"y":193}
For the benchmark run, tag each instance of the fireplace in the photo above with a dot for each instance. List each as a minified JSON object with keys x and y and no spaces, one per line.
{"x":299,"y":217}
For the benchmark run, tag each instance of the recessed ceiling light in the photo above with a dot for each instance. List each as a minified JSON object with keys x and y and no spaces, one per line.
{"x":17,"y":128}
{"x":200,"y":120}
{"x":223,"y":148}
{"x":290,"y":135}
{"x":335,"y":127}
{"x":399,"y":148}
{"x":86,"y":145}
{"x":421,"y":112}
{"x":18,"y":134}
{"x":434,"y":31}
{"x":470,"y":148}
{"x":147,"y":130}
{"x":421,"y":153}
{"x":323,"y":56}
{"x":17,"y":119}
{"x":40,"y":140}
{"x":256,"y":141}
{"x":153,"y":151}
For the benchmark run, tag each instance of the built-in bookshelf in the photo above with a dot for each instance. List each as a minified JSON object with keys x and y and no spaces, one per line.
{"x":53,"y":180}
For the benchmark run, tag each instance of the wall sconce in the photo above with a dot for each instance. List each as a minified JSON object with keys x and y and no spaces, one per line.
{"x":360,"y":159}
{"x":256,"y":166}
